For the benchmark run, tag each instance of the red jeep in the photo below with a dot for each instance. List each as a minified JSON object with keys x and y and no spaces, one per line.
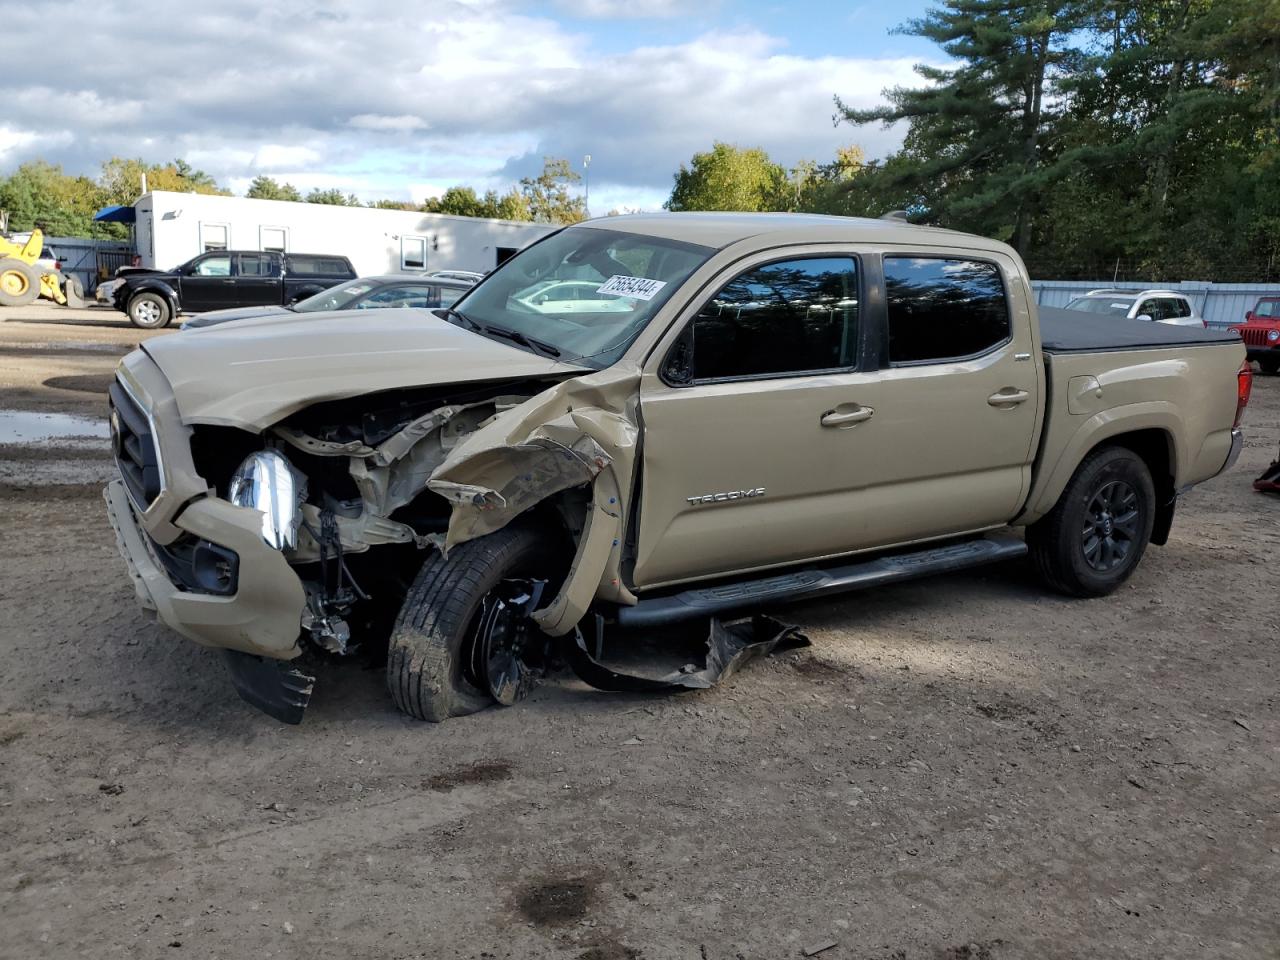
{"x":1261,"y":333}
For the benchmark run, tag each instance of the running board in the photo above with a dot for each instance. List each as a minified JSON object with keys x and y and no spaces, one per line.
{"x":804,"y":584}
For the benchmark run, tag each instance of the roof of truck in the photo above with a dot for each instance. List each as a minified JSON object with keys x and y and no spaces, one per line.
{"x":716,"y":229}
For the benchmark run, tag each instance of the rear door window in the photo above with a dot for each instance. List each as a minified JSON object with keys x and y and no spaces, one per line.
{"x":940,"y":308}
{"x":257,"y":265}
{"x":795,"y":317}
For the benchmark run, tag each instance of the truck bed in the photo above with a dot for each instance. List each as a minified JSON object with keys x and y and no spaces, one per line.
{"x":1074,"y":331}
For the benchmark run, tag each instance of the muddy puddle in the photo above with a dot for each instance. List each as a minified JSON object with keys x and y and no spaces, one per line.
{"x":29,"y":427}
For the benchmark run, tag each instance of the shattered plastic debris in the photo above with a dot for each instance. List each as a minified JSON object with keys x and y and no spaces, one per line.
{"x":729,"y":647}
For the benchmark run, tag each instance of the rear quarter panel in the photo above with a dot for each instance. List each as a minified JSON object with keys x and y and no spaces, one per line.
{"x":1187,"y":393}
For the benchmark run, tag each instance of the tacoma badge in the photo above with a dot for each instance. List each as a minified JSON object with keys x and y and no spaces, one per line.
{"x":723,"y":497}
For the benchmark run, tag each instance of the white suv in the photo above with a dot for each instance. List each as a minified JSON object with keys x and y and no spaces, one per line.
{"x":1160,"y":306}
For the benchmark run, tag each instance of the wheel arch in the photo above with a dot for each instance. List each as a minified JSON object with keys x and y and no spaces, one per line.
{"x":1150,"y":430}
{"x":157,"y":287}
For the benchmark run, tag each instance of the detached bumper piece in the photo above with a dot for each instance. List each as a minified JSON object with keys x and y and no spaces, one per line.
{"x":273,"y":686}
{"x":729,"y":647}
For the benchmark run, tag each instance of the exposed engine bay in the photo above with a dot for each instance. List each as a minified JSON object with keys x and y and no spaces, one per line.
{"x":344,"y":476}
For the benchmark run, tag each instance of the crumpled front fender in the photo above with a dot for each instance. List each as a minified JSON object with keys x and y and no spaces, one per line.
{"x":581,"y":431}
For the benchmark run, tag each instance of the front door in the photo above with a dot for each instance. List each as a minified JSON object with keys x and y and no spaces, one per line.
{"x":208,"y":283}
{"x":830,"y":404}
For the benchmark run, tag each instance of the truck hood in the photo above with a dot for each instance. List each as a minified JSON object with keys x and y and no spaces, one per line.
{"x":214,"y":317}
{"x":257,"y":371}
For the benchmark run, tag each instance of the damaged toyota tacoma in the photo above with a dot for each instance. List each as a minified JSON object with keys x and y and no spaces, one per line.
{"x":637,"y":424}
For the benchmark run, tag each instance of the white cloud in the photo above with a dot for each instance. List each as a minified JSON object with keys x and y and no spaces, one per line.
{"x":631,"y":9}
{"x":403,"y":123}
{"x":278,"y":156}
{"x":15,"y":142}
{"x":319,"y":93}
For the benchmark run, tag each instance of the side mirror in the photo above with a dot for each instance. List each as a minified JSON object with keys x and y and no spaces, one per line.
{"x":1143,"y":316}
{"x":1248,"y":317}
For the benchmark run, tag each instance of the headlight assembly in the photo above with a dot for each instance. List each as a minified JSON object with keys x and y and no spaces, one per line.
{"x":267,"y":482}
{"x":1273,"y":335}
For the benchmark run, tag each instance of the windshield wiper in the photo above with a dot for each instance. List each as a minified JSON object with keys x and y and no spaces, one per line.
{"x":515,"y":336}
{"x":466,"y":321}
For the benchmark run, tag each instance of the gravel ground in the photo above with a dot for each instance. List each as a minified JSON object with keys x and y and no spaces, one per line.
{"x":960,"y":768}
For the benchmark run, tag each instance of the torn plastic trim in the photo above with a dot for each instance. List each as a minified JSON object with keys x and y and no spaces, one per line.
{"x":729,"y":647}
{"x":276,"y":688}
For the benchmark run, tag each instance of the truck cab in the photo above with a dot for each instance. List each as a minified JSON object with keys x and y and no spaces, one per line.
{"x":224,"y":279}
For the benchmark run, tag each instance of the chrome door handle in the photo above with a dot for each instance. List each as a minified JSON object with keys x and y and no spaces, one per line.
{"x":846,"y":418}
{"x":1008,"y":397}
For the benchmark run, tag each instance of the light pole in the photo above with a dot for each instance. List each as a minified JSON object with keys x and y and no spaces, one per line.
{"x":586,"y":179}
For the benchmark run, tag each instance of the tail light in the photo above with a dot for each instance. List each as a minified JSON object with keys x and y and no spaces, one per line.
{"x":1244,"y":387}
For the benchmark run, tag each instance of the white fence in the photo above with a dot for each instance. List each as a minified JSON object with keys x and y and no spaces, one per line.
{"x":1218,"y":303}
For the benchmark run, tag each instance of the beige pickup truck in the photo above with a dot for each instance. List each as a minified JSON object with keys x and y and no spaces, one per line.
{"x":640,"y":422}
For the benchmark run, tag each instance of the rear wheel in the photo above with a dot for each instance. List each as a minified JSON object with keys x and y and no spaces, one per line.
{"x":19,"y":282}
{"x":1270,"y":365}
{"x":150,"y":311}
{"x":434,"y":666}
{"x":1095,"y":535}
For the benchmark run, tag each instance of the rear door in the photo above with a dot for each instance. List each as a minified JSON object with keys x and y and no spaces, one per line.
{"x":208,"y":283}
{"x":960,"y":393}
{"x":257,"y":280}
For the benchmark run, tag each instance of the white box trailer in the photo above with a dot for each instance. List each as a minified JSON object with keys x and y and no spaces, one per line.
{"x":171,"y":228}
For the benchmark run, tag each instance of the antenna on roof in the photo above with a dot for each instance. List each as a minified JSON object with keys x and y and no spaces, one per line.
{"x":898,"y":215}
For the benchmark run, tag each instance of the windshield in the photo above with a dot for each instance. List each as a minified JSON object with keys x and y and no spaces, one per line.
{"x":335,"y":298}
{"x":1111,"y":306}
{"x":585,"y":292}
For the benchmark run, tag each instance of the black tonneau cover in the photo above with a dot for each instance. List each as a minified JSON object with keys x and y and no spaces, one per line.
{"x":1074,"y":331}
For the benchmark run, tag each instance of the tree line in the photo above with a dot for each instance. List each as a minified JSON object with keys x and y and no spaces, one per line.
{"x":40,"y":194}
{"x":1138,"y":139}
{"x":1135,"y":139}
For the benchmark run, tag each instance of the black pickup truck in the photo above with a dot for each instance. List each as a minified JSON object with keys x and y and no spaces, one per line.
{"x":222,"y":279}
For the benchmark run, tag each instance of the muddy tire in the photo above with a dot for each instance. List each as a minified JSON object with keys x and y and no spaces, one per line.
{"x":432,"y":635}
{"x":1096,"y":534}
{"x":150,"y":311}
{"x":19,"y":283}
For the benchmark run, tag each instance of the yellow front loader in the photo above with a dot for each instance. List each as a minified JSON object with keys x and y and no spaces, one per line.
{"x":23,"y":279}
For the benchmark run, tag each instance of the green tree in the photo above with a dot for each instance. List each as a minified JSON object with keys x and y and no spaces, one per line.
{"x":266,"y":188}
{"x":975,"y":149}
{"x":333,"y":197}
{"x":121,"y":179}
{"x":40,"y":195}
{"x":731,"y":178}
{"x":465,"y":202}
{"x":547,"y":195}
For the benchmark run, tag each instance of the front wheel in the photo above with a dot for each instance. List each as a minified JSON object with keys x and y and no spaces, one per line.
{"x":431,"y":661}
{"x":1093,"y":538}
{"x":1270,"y":365}
{"x":150,"y":311}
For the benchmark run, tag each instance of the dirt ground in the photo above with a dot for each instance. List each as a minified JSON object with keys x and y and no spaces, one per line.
{"x":964,"y":768}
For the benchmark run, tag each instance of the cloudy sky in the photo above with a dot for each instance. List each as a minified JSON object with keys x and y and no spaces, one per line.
{"x":401,"y":101}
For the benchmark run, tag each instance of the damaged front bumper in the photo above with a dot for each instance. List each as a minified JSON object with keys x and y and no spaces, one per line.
{"x":260,"y":618}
